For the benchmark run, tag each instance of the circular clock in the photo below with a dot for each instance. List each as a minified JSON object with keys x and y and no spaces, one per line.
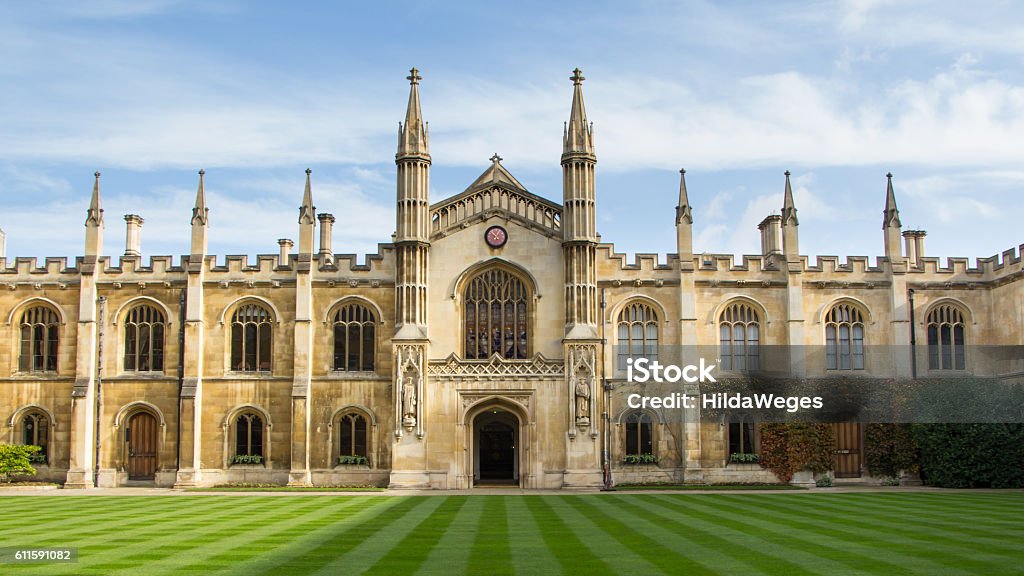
{"x":496,"y":236}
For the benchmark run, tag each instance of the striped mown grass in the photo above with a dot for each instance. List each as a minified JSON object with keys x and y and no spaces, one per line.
{"x":593,"y":534}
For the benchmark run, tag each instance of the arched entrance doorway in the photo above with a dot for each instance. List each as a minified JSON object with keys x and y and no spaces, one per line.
{"x":496,"y":448}
{"x":141,"y":437}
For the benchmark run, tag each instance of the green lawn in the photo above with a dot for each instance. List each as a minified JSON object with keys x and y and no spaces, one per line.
{"x":798,"y":533}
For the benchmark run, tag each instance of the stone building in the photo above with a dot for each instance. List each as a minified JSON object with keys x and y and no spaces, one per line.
{"x":476,"y":347}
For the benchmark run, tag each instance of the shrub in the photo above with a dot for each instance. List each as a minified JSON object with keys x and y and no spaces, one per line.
{"x":744,"y":458}
{"x":889,"y":449}
{"x":640,"y":459}
{"x":824,"y":482}
{"x":16,"y":460}
{"x":348,"y":459}
{"x":971,"y":455}
{"x":248,"y":459}
{"x":788,"y":448}
{"x":890,"y":481}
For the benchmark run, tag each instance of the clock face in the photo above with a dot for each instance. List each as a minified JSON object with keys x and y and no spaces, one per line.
{"x":496,"y":236}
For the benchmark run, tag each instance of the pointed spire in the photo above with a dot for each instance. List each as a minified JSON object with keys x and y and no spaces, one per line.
{"x":891,"y":214}
{"x":683,"y":210}
{"x":307,"y":212}
{"x":94,"y":216}
{"x":788,"y":206}
{"x":200,"y":213}
{"x":578,"y":135}
{"x":413,"y":136}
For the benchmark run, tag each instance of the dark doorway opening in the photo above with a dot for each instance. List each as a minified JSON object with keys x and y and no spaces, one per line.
{"x":496,"y":439}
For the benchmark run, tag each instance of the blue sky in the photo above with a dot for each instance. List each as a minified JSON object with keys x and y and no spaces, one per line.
{"x":840,"y":93}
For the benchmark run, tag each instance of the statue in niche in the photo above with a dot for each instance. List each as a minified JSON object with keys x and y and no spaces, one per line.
{"x":581,"y":382}
{"x":582,"y":389}
{"x":408,"y":384}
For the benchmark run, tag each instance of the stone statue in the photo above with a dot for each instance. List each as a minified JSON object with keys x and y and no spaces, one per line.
{"x":582,"y":390}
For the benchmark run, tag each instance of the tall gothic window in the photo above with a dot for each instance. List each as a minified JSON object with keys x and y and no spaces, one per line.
{"x":248,"y":435}
{"x":39,"y":338}
{"x":144,"y":339}
{"x":946,"y":338}
{"x":496,"y":317}
{"x":740,"y":337}
{"x":353,"y":435}
{"x":251,"y":338}
{"x":35,"y":431}
{"x":637,"y":333}
{"x":639,"y":437}
{"x":355,"y":342}
{"x":844,"y":338}
{"x":741,"y":434}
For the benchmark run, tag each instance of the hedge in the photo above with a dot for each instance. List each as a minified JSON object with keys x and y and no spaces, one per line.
{"x":971,"y":455}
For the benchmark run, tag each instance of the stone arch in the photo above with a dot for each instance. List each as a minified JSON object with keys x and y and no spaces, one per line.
{"x":613,"y":313}
{"x":230,"y":308}
{"x":354,"y":298}
{"x":459,"y":284}
{"x":853,"y":301}
{"x":126,"y":307}
{"x":61,"y":316}
{"x":526,"y":445}
{"x":229,"y":420}
{"x":372,"y":441}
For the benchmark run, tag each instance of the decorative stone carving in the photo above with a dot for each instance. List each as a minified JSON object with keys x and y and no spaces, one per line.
{"x":581,"y":381}
{"x":409,"y":359}
{"x":454,"y":367}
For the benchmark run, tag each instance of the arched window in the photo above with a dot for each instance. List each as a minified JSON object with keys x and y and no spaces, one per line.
{"x":637,"y":333}
{"x":946,"y":338}
{"x":741,"y":435}
{"x":248,"y":438}
{"x":740,"y":337}
{"x":639,"y":437}
{"x":35,"y":431}
{"x":353,"y":437}
{"x":39,"y":338}
{"x":844,"y":337}
{"x":144,"y":339}
{"x":355,"y":342}
{"x":251,"y":338}
{"x":496,"y":316}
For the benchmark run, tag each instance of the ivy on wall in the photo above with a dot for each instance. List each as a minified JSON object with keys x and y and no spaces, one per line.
{"x":789,"y":448}
{"x":890,"y":449}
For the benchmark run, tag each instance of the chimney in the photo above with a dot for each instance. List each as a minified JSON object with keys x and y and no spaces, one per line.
{"x":283,"y":261}
{"x":326,"y":252}
{"x":919,"y":247}
{"x":911,"y":247}
{"x":3,"y":245}
{"x":914,"y":241}
{"x":771,"y":234}
{"x":133,"y":236}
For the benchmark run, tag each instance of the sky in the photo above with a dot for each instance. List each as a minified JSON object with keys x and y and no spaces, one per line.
{"x":839,"y":92}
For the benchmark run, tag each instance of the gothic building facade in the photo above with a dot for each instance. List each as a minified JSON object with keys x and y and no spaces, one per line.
{"x":479,"y":346}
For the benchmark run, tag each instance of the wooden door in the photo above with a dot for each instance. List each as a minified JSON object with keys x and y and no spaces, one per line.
{"x":142,"y":446}
{"x":848,"y":453}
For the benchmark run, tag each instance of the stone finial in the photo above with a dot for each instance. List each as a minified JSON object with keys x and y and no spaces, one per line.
{"x":307,"y":211}
{"x":94,"y":215}
{"x":891,"y":214}
{"x":684,"y":212}
{"x":200,"y":213}
{"x":788,"y":205}
{"x":414,"y":76}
